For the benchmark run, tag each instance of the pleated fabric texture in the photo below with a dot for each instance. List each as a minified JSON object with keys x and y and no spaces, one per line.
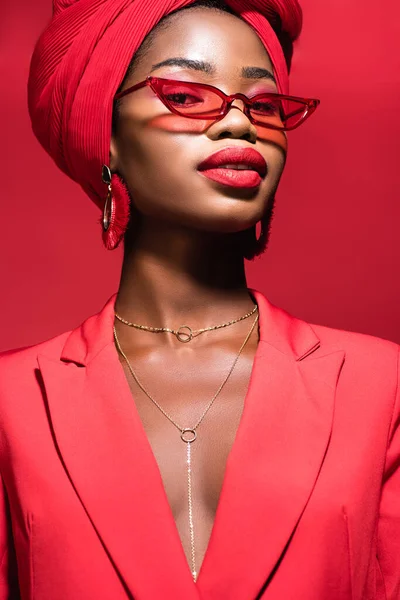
{"x":81,"y":59}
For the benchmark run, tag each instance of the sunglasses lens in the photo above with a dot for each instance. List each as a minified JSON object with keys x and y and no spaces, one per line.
{"x":281,"y":113}
{"x":192,"y":100}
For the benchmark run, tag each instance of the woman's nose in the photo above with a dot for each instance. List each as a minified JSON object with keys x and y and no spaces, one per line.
{"x":235,"y":124}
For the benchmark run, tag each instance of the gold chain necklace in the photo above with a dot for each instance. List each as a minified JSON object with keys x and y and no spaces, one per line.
{"x":188,"y":434}
{"x":184,"y":333}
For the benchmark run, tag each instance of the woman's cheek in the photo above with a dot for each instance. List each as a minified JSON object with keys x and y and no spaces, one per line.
{"x":273,"y":136}
{"x":177,"y":124}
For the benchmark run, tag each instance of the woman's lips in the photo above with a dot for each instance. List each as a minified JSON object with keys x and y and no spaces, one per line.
{"x":235,"y":166}
{"x":234,"y":177}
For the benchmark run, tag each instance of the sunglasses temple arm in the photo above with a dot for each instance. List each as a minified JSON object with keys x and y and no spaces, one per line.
{"x":297,"y":112}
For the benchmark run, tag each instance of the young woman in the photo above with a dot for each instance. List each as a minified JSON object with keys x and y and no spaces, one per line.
{"x":191,"y":441}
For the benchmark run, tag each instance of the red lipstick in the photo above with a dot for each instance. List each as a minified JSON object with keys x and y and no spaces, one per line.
{"x":235,"y":167}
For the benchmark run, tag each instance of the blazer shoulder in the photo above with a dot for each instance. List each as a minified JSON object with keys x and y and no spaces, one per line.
{"x":368,"y":358}
{"x":371,"y":368}
{"x":352,"y":341}
{"x":26,"y":357}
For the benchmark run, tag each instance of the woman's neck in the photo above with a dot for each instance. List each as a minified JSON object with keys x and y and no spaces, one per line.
{"x":174,"y":276}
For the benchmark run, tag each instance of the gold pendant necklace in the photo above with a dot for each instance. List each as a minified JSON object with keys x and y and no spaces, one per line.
{"x":188,"y":435}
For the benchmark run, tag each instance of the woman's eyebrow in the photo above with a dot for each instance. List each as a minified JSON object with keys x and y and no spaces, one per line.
{"x":196,"y":65}
{"x":257,"y":73}
{"x":206,"y":67}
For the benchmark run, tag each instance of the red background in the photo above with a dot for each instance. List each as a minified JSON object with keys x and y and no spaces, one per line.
{"x":334,"y":256}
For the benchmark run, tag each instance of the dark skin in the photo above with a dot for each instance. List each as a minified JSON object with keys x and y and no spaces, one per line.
{"x":183,"y":267}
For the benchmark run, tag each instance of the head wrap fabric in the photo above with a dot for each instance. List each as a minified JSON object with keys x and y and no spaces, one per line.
{"x":81,"y":59}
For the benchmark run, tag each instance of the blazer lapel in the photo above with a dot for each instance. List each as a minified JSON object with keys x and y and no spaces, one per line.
{"x":109,"y":462}
{"x":276,"y":458}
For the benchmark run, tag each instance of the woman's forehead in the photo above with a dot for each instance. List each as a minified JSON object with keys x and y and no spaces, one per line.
{"x":213,"y":37}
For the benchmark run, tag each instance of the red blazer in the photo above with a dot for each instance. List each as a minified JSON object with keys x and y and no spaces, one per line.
{"x":310,"y":504}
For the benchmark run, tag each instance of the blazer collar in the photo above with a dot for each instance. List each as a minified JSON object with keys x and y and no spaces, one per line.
{"x":278,"y":328}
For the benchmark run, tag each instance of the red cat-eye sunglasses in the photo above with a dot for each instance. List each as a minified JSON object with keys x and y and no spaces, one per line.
{"x":203,"y":101}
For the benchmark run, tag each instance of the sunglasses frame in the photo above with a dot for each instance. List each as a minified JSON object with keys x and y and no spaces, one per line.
{"x":157,"y":83}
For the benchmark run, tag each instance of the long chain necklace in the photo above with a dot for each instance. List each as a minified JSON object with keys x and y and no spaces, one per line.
{"x":184,"y":333}
{"x":188,"y":434}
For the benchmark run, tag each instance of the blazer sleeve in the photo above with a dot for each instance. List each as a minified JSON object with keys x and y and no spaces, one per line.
{"x":9,"y":589}
{"x":389,"y":518}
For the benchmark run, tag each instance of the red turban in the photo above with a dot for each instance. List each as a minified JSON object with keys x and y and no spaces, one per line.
{"x":81,"y":59}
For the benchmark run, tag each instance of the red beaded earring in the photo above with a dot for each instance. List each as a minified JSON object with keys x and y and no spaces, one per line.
{"x":116,"y":209}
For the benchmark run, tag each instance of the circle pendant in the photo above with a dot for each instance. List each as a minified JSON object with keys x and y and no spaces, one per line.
{"x":184,"y":334}
{"x":188,"y":436}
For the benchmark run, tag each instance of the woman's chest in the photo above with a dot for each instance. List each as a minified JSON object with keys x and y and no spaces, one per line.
{"x":192,"y":475}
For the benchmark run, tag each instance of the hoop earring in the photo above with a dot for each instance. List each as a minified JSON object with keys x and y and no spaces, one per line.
{"x":116,"y":209}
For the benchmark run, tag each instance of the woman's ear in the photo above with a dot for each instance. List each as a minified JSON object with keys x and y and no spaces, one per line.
{"x":113,"y":163}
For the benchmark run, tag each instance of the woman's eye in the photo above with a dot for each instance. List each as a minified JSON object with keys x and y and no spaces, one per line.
{"x":182,"y":99}
{"x":266,"y":107}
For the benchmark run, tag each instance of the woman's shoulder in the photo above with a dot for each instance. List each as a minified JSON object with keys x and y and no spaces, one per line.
{"x":363,"y":347}
{"x":354,"y":341}
{"x":93,"y":329}
{"x":369,"y":360}
{"x":283,"y":325}
{"x":26,"y":357}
